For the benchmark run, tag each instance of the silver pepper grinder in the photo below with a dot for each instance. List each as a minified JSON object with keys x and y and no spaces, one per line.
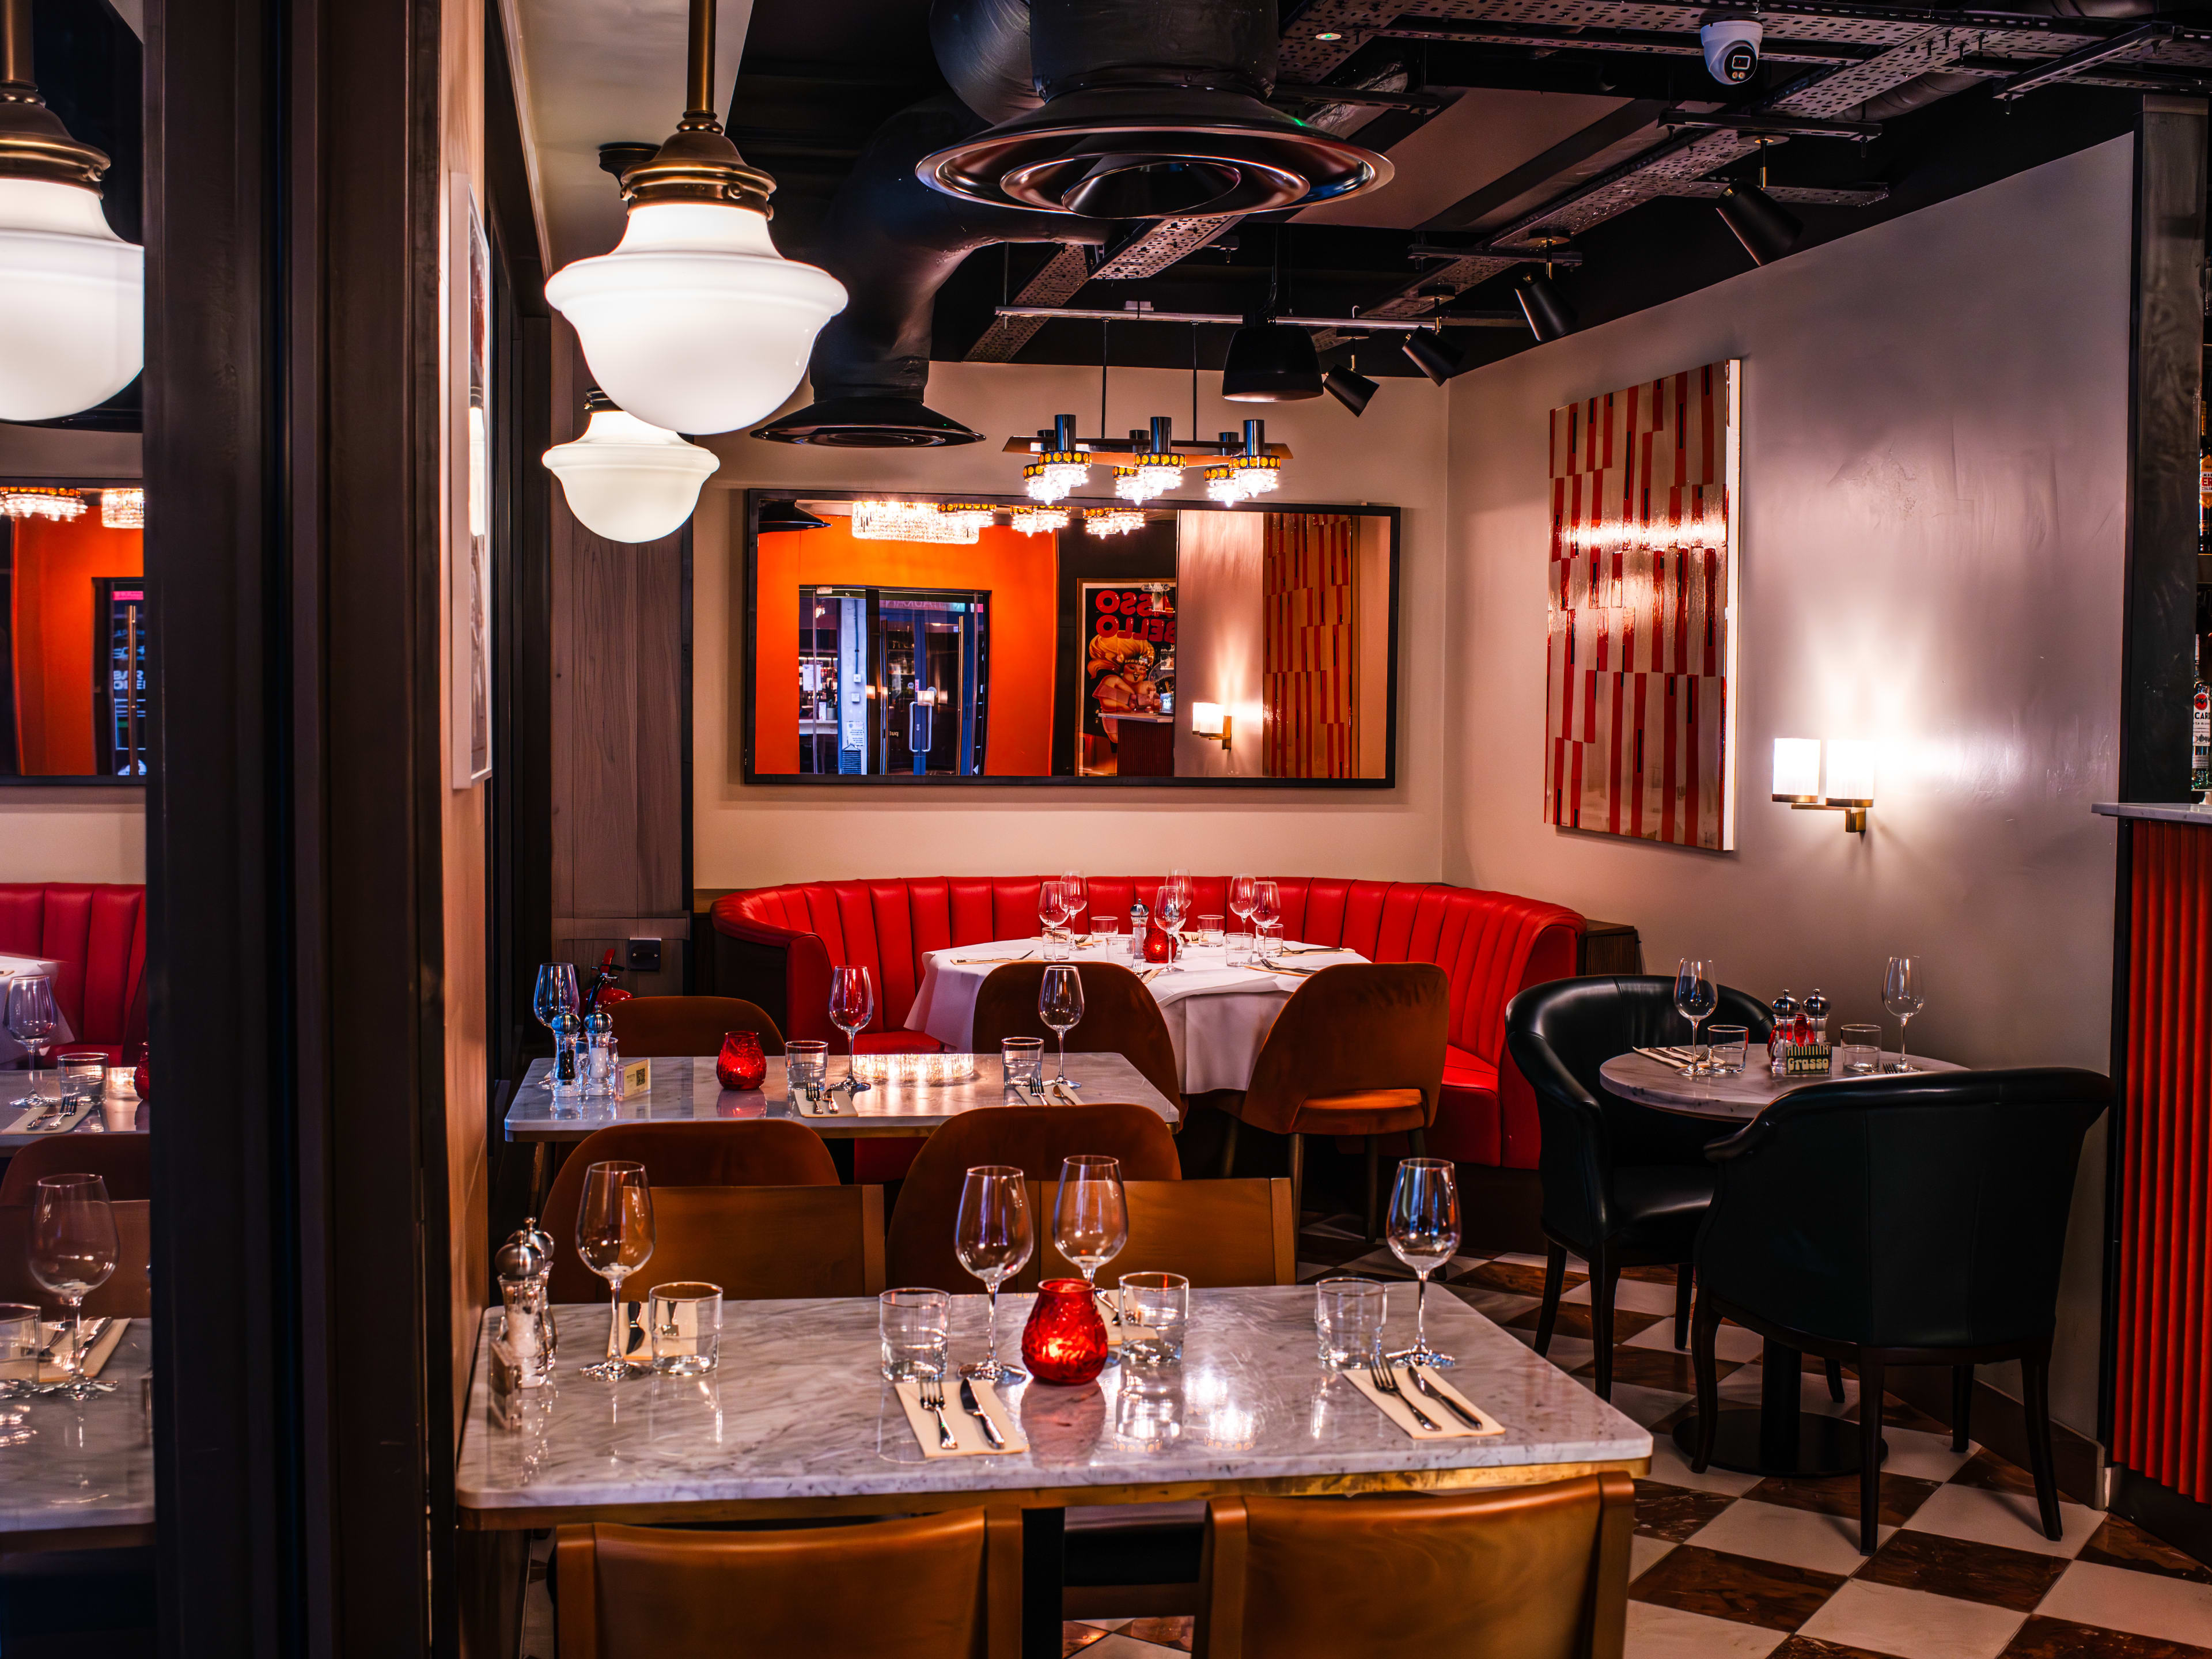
{"x":1816,"y":1010}
{"x":519,"y":1266}
{"x":539,"y":1239}
{"x":599,"y":1066}
{"x":1140,"y":922}
{"x":568,"y":1057}
{"x":1785,"y":1010}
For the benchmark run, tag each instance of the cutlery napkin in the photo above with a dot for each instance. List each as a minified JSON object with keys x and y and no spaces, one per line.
{"x":1665,"y":1060}
{"x":965,"y":1429}
{"x":61,"y":1123}
{"x":828,"y":1106}
{"x":56,"y":1332}
{"x":1436,"y":1412}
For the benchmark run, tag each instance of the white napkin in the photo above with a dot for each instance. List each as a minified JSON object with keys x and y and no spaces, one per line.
{"x":60,"y":1124}
{"x":965,"y":1429}
{"x":1395,"y":1409}
{"x":56,"y":1333}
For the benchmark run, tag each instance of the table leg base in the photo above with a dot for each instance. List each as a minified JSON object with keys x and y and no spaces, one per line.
{"x":1822,"y":1445}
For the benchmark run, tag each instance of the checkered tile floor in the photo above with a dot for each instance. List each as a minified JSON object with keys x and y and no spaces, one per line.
{"x":1730,"y":1566}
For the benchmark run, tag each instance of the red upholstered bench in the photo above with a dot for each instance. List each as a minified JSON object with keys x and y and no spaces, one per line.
{"x":97,"y":931}
{"x":775,"y":946}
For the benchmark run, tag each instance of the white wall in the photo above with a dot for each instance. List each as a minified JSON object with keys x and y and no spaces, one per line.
{"x":1934,"y":446}
{"x":1393,"y":455}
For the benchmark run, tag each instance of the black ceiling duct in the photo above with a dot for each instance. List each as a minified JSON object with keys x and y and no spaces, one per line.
{"x":1434,"y":356}
{"x":789,"y":515}
{"x":1153,"y":110}
{"x":1349,"y":388}
{"x":1764,"y":227}
{"x":1270,"y":364}
{"x":1549,"y":315}
{"x":868,"y":423}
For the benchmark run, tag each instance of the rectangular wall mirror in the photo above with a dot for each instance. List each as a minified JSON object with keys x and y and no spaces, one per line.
{"x":73,"y":601}
{"x":953,"y":642}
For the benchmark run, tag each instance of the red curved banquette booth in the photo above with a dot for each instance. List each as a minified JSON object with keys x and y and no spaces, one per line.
{"x":97,"y":931}
{"x":775,"y":946}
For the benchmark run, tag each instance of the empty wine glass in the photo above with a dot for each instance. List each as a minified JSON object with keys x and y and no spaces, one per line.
{"x":852,"y":1005}
{"x":1052,"y":911}
{"x":1175,"y":905}
{"x":1240,"y":900}
{"x":1089,"y":1213}
{"x":1266,"y":910}
{"x":73,"y":1252}
{"x":1424,"y":1234}
{"x":1904,"y":993}
{"x":555,"y":995}
{"x":31,"y":1017}
{"x":993,"y":1241}
{"x":1697,"y":994}
{"x":1077,"y":892}
{"x":614,"y":1235}
{"x":1060,"y":1006}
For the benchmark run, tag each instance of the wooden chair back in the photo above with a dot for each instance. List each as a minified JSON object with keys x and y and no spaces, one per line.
{"x":757,"y":1243}
{"x":127,"y":1293}
{"x":1354,"y":1031}
{"x":651,"y":1028}
{"x":1500,"y":1572}
{"x":1214,"y":1233}
{"x":644,"y":1593}
{"x":1120,"y":1017}
{"x":125,"y":1162}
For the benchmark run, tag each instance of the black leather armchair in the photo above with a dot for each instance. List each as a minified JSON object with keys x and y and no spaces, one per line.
{"x":1625,"y":1186}
{"x":1909,"y":1220}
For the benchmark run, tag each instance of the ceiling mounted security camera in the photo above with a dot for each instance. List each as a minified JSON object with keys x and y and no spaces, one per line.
{"x":1731,"y":46}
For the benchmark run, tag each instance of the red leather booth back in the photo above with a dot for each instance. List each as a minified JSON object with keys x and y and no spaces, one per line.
{"x":97,"y":931}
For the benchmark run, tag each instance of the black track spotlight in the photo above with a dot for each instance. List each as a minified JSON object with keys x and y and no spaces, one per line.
{"x":1434,"y":356}
{"x":1271,"y":363}
{"x":1549,"y":315}
{"x":789,"y":515}
{"x":1349,"y":387}
{"x":1764,"y":227}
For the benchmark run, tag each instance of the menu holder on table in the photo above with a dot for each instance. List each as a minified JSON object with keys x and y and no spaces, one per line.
{"x":966,"y":1430}
{"x":1450,"y":1426}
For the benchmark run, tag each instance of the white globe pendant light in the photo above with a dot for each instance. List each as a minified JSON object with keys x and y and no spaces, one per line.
{"x":72,"y":329}
{"x":626,"y":480}
{"x":695,"y":322}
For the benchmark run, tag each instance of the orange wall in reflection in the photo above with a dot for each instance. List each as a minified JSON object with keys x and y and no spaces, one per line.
{"x":1016,"y":571}
{"x":55,"y":565}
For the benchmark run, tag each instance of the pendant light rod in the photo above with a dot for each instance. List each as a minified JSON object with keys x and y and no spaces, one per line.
{"x":701,"y":63}
{"x":15,"y":76}
{"x":1232,"y":319}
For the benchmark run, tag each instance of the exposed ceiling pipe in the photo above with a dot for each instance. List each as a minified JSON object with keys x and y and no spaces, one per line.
{"x":1943,"y":84}
{"x":983,"y":47}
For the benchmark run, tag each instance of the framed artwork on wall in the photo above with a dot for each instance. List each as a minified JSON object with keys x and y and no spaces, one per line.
{"x":468,"y":484}
{"x":1641,"y":650}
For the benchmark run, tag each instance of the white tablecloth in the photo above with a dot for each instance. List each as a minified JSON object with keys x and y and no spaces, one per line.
{"x":10,"y":1050}
{"x":1216,"y":1016}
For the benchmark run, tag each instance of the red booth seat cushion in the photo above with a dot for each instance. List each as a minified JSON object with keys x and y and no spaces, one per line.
{"x":1491,"y":945}
{"x":97,"y":931}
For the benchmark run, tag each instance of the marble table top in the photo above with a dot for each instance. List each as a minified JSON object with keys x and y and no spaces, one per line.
{"x":686,"y":1090}
{"x":88,"y":1463}
{"x":127,"y":1116}
{"x":2196,"y":812}
{"x":798,"y":1416}
{"x":1738,"y":1098}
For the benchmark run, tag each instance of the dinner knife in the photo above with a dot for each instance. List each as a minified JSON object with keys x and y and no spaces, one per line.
{"x":1443,"y":1399}
{"x":969,"y":1404}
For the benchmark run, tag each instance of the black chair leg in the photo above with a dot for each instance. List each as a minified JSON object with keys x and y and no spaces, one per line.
{"x":1605,"y":1275}
{"x":1836,"y":1381}
{"x":1703,"y":1330}
{"x":1229,"y":1149}
{"x":1869,"y":1372}
{"x":1418,"y":1139}
{"x":1555,"y":1281}
{"x":1683,"y":1277}
{"x":2035,"y":1385}
{"x":1962,"y":1405}
{"x":1297,"y":1181}
{"x":1374,"y":1175}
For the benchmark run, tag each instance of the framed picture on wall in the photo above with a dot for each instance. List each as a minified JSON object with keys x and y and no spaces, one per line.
{"x":468,"y":466}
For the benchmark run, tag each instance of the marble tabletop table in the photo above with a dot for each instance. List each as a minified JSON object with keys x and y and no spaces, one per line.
{"x":686,"y":1090}
{"x":1737,"y":1098}
{"x":128,"y":1115}
{"x":84,"y":1478}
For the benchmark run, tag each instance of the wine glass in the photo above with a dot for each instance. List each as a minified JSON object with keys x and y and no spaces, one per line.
{"x":1175,"y":904}
{"x":614,"y":1235}
{"x":1424,"y":1232}
{"x":1089,"y":1213}
{"x":1697,"y":994}
{"x":555,"y":995}
{"x":992,"y":1240}
{"x":73,"y":1251}
{"x":1240,"y":900}
{"x":31,"y":1017}
{"x":1060,"y":1006}
{"x":852,"y":1005}
{"x":1266,"y":910}
{"x":1077,"y":892}
{"x":1052,"y":907}
{"x":1904,"y":993}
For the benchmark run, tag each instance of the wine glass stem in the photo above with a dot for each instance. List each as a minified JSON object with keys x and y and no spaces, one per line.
{"x":74,"y":1369}
{"x":993,"y":1288}
{"x":1904,"y":1023}
{"x":614,"y":1345}
{"x":1421,"y":1314}
{"x":1062,"y":1077}
{"x":1696,"y":1025}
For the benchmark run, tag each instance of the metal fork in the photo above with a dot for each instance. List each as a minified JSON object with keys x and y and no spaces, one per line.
{"x":1378,"y":1371}
{"x":932,"y":1399}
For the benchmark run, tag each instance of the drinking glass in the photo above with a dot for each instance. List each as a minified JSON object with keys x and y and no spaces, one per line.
{"x":1725,"y":1046}
{"x":1904,"y":993}
{"x":614,"y":1235}
{"x":1240,"y":900}
{"x":1077,"y":893}
{"x":806,"y":1067}
{"x":555,"y":995}
{"x":852,"y":1005}
{"x":1060,"y":1006}
{"x":1697,"y":994}
{"x":1206,"y":931}
{"x":1052,"y":911}
{"x":1424,"y":1232}
{"x":84,"y":1073}
{"x":914,"y":1325}
{"x":73,"y":1251}
{"x":993,"y":1241}
{"x":1024,"y":1061}
{"x":1160,"y":1305}
{"x":1348,"y":1316}
{"x":1175,"y":905}
{"x":1267,"y":905}
{"x":22,"y":1336}
{"x":1861,"y":1054}
{"x":1089,"y":1213}
{"x":686,"y":1328}
{"x":31,"y":1017}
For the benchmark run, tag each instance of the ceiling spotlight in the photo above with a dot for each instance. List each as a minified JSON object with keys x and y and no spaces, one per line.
{"x":1549,"y":315}
{"x":72,"y":332}
{"x":627,"y":479}
{"x":1434,"y":356}
{"x":1330,"y":34}
{"x":1764,"y":227}
{"x":1271,"y":363}
{"x":694,"y":323}
{"x":1349,"y":387}
{"x":789,"y":515}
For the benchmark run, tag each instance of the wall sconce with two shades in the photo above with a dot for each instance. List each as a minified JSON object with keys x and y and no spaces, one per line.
{"x":1849,"y":778}
{"x":1210,"y":720}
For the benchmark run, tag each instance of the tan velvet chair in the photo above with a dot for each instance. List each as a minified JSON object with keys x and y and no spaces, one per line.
{"x":1214,"y":1233}
{"x":1120,"y":1017}
{"x":125,"y":1163}
{"x":651,"y":1028}
{"x":935,"y":1587}
{"x":1357,"y":1050}
{"x":1500,"y":1572}
{"x":1035,"y":1139}
{"x":757,"y":1243}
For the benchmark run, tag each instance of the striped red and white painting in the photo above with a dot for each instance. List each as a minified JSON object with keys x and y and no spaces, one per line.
{"x":1640,"y":659}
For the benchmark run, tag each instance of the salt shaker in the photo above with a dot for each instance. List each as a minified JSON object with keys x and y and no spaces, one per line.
{"x":1140,"y":922}
{"x":599,"y":1066}
{"x":522,"y":1293}
{"x":568,"y":1057}
{"x":1816,"y":1010}
{"x":1786,"y":1009}
{"x":542,"y":1242}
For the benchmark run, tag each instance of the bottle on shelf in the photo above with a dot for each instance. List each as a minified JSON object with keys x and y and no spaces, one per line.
{"x":2200,"y":732}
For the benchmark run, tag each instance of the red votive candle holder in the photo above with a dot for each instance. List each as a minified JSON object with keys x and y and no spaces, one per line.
{"x":1159,"y":944}
{"x":1065,"y":1340}
{"x":741,"y":1065}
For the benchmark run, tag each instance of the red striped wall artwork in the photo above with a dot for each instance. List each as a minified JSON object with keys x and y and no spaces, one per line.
{"x":1309,"y":586}
{"x":1640,"y":652}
